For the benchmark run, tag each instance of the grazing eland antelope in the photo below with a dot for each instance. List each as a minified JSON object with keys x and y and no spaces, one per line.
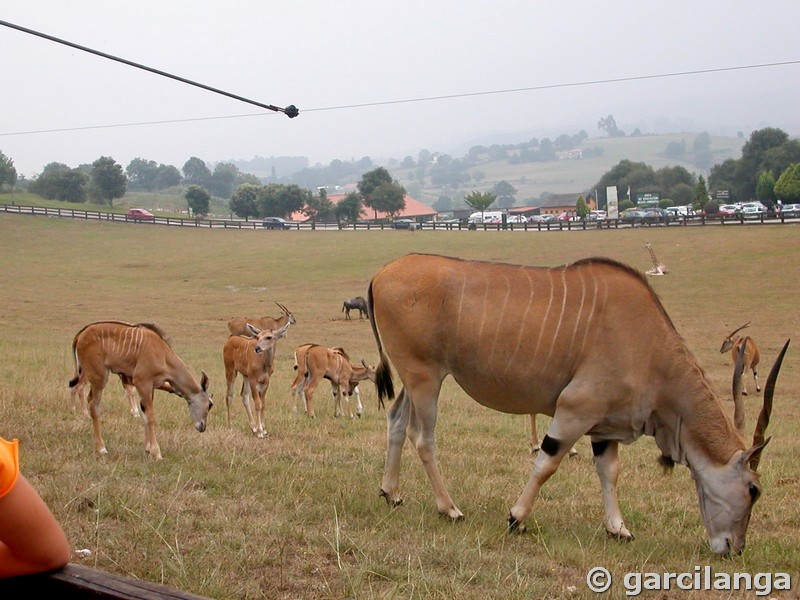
{"x":142,"y":357}
{"x":254,"y":358}
{"x":357,"y":303}
{"x":314,"y":363}
{"x":752,"y":355}
{"x":238,"y":325}
{"x":590,"y":345}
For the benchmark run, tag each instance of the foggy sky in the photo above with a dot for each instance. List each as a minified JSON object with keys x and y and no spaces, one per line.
{"x":382,"y":79}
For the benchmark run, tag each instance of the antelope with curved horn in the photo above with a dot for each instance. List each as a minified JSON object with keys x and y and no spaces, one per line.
{"x":142,"y":357}
{"x":590,"y":345}
{"x":254,"y":358}
{"x":238,"y":325}
{"x":752,"y":355}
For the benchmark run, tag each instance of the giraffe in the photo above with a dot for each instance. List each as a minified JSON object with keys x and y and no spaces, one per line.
{"x":658,"y":267}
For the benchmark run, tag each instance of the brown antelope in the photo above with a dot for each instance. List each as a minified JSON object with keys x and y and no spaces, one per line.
{"x":142,"y":357}
{"x":752,"y":355}
{"x":590,"y":345}
{"x":238,"y":325}
{"x":254,"y":358}
{"x":315,"y":363}
{"x":358,"y":303}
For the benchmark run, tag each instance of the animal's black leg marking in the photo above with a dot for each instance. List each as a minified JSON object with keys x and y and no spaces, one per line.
{"x":550,"y":445}
{"x":599,"y":447}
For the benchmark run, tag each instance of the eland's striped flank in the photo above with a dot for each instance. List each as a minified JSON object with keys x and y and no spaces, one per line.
{"x":589,"y":344}
{"x":142,"y":357}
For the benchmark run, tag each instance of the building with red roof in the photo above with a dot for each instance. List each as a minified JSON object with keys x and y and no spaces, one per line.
{"x":414,"y":209}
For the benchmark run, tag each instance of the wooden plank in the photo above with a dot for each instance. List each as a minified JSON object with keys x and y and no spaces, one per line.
{"x":79,"y":582}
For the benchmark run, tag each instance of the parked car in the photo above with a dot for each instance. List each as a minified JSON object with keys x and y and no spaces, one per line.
{"x":728,"y":209}
{"x":790,"y":210}
{"x":517,"y":219}
{"x":139,"y":214}
{"x":541,"y":218}
{"x":405,"y":224}
{"x":656,"y":215}
{"x":598,"y":215}
{"x":753,"y":209}
{"x":275,"y":223}
{"x":632,"y":216}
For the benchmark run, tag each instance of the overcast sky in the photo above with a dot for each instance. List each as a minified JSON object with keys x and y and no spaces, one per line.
{"x":510,"y":70}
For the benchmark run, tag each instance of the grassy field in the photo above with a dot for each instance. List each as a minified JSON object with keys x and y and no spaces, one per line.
{"x":297,"y":515}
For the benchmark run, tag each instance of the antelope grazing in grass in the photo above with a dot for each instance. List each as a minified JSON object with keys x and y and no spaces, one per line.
{"x":238,"y":325}
{"x":254,"y":358}
{"x":314,"y":363}
{"x":589,"y":344}
{"x":357,"y":303}
{"x":752,"y":355}
{"x":141,"y":357}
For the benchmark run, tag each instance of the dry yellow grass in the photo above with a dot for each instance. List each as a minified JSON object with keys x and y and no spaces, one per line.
{"x":297,"y":515}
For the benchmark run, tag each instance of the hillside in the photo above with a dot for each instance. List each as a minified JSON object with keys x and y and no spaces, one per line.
{"x":533,"y":179}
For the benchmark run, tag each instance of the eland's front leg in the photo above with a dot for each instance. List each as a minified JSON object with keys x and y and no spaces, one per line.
{"x":606,"y":462}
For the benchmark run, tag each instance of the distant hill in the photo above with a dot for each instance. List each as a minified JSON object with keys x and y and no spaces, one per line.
{"x":533,"y":179}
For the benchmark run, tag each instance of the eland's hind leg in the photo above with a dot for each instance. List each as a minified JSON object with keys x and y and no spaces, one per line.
{"x":421,"y":432}
{"x":396,"y":425}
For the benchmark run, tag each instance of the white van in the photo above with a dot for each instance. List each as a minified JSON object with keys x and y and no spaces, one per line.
{"x":485,"y":217}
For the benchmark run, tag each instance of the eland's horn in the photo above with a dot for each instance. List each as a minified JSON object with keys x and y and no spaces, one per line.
{"x":735,"y":331}
{"x":738,"y":404}
{"x":766,"y":409}
{"x":283,"y":308}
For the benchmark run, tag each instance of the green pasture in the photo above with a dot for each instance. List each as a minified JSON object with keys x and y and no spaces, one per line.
{"x":297,"y":515}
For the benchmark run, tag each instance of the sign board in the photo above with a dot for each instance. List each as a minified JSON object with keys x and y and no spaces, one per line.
{"x":722,"y":195}
{"x":612,"y":203}
{"x":648,"y":199}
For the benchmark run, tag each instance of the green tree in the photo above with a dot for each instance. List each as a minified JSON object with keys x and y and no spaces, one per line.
{"x":479,"y":201}
{"x":627,"y":174}
{"x":765,"y":188}
{"x":609,"y":125}
{"x":108,"y":180}
{"x":754,"y":152}
{"x":349,"y":208}
{"x":222,"y":181}
{"x":280,"y":200}
{"x":195,"y":171}
{"x":581,"y":208}
{"x":318,"y":206}
{"x":787,"y":188}
{"x":59,"y":182}
{"x":443,"y":203}
{"x":380,"y":192}
{"x":198,"y":200}
{"x":244,"y":201}
{"x":389,"y":198}
{"x":8,"y":174}
{"x":504,"y":193}
{"x":142,"y":174}
{"x":700,"y":194}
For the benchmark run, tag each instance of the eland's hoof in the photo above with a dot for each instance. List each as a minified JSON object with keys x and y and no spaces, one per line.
{"x":391,"y":501}
{"x":515,"y":526}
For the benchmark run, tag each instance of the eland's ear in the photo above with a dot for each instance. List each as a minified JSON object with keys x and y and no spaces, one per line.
{"x":252,"y":329}
{"x":753,"y":455}
{"x":204,"y":381}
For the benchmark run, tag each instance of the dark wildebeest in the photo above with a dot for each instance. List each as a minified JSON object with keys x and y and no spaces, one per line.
{"x":355,"y":303}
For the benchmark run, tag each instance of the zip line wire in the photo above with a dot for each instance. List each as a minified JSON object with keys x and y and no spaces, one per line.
{"x":291,"y":111}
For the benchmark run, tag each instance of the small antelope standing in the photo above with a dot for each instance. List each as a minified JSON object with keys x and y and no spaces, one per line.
{"x":357,"y":303}
{"x":315,"y":363}
{"x":142,"y":357}
{"x":238,"y":325}
{"x":752,"y":355}
{"x":590,"y":345}
{"x":254,"y":358}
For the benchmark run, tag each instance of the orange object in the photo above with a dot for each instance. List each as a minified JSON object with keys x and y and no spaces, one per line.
{"x":9,"y":465}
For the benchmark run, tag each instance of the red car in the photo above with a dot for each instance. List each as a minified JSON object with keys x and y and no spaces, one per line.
{"x":139,"y":214}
